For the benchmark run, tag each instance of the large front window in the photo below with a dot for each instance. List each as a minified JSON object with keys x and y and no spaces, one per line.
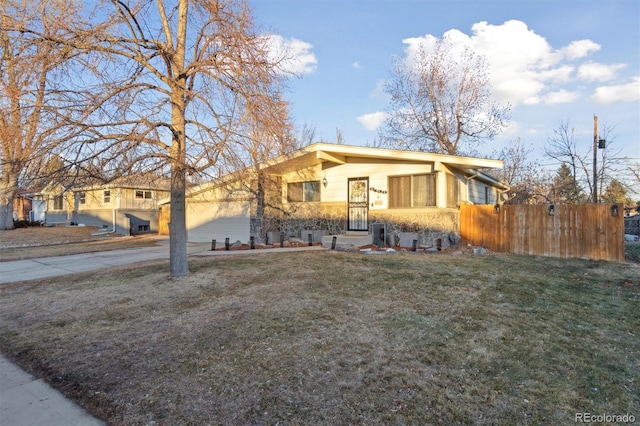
{"x":303,"y":191}
{"x":412,"y":191}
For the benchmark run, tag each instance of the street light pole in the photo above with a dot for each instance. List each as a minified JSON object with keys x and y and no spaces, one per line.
{"x":595,"y":159}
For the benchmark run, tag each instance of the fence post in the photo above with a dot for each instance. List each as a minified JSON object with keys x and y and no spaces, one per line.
{"x":213,"y":245}
{"x":333,"y":243}
{"x":252,"y":242}
{"x":226,"y":243}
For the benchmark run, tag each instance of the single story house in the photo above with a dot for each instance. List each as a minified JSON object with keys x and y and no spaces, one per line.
{"x":127,"y":205}
{"x":334,"y":189}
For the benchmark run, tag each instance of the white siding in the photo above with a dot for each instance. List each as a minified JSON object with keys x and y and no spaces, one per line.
{"x":217,"y":221}
{"x":478,"y":192}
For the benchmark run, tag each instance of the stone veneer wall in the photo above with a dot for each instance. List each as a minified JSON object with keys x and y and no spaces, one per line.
{"x":430,"y":224}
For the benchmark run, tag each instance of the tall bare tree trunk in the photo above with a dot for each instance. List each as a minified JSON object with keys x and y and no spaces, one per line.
{"x":178,"y":264}
{"x":7,"y":194}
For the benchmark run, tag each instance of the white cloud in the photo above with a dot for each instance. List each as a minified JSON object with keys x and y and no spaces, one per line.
{"x":378,"y":91}
{"x":356,"y":65}
{"x":562,"y":96}
{"x":579,"y":49}
{"x":620,"y":93}
{"x":592,"y":71}
{"x":524,"y":67}
{"x":294,"y":56}
{"x":373,"y":120}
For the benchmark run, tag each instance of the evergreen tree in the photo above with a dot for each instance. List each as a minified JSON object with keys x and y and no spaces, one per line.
{"x":566,"y":188}
{"x":616,"y":193}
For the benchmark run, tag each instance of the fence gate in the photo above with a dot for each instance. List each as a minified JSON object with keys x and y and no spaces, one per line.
{"x":358,"y":204}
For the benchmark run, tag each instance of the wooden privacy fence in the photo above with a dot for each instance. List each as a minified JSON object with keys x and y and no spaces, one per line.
{"x":588,"y":231}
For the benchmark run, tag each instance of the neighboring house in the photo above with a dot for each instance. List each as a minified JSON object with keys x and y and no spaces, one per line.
{"x":126,"y":206}
{"x":24,"y":205}
{"x":330,"y":189}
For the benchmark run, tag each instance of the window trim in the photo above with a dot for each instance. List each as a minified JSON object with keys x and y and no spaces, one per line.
{"x":433,"y":202}
{"x":304,"y":192}
{"x":141,"y":194}
{"x":106,"y":196}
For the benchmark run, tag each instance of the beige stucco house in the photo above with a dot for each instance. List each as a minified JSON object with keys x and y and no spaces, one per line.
{"x":332,"y":189}
{"x":127,"y":205}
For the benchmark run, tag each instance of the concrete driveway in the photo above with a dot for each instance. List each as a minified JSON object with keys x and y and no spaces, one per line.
{"x":22,"y":270}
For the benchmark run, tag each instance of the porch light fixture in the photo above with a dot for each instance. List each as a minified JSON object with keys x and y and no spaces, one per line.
{"x":614,"y":210}
{"x":496,"y":209}
{"x":552,"y":210}
{"x":324,"y":182}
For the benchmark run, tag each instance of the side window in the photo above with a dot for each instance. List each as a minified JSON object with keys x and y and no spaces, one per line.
{"x":303,"y":191}
{"x":57,"y":202}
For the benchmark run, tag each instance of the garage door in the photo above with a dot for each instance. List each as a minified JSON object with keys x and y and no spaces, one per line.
{"x":217,"y":221}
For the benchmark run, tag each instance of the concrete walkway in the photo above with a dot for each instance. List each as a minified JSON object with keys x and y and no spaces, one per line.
{"x":28,"y":401}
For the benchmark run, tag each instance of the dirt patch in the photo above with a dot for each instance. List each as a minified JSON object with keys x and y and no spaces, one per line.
{"x":40,"y":236}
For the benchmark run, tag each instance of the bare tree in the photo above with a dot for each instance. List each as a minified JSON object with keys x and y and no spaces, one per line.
{"x":187,"y":81}
{"x":441,"y":103}
{"x":522,"y":172}
{"x":38,"y":99}
{"x":563,"y":147}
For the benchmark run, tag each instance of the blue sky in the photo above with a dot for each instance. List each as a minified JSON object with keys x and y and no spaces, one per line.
{"x":552,"y":60}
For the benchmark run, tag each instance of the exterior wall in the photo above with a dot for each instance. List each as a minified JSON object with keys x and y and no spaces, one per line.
{"x":53,"y":215}
{"x":126,"y":221}
{"x":120,"y":198}
{"x":431,"y":224}
{"x":481,"y":193}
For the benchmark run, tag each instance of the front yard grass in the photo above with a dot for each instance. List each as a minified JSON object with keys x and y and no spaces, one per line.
{"x":337,"y":338}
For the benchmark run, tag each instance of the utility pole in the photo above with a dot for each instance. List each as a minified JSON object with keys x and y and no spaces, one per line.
{"x":595,"y":159}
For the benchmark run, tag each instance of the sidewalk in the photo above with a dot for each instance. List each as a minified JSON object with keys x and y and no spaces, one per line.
{"x":29,"y":401}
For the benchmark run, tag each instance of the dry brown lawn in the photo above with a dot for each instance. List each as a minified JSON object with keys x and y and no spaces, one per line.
{"x":34,"y":242}
{"x":336,"y":338}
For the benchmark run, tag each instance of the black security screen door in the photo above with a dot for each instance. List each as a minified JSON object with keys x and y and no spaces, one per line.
{"x":358,"y":204}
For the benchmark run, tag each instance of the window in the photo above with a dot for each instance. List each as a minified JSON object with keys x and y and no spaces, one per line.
{"x":453,"y":191}
{"x":82,"y":197}
{"x":412,"y":191}
{"x":143,"y":195}
{"x":106,"y":196}
{"x":57,"y":202}
{"x":303,"y":191}
{"x":143,"y":228}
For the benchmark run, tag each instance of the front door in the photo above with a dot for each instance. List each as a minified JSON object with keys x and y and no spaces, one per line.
{"x":358,"y":204}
